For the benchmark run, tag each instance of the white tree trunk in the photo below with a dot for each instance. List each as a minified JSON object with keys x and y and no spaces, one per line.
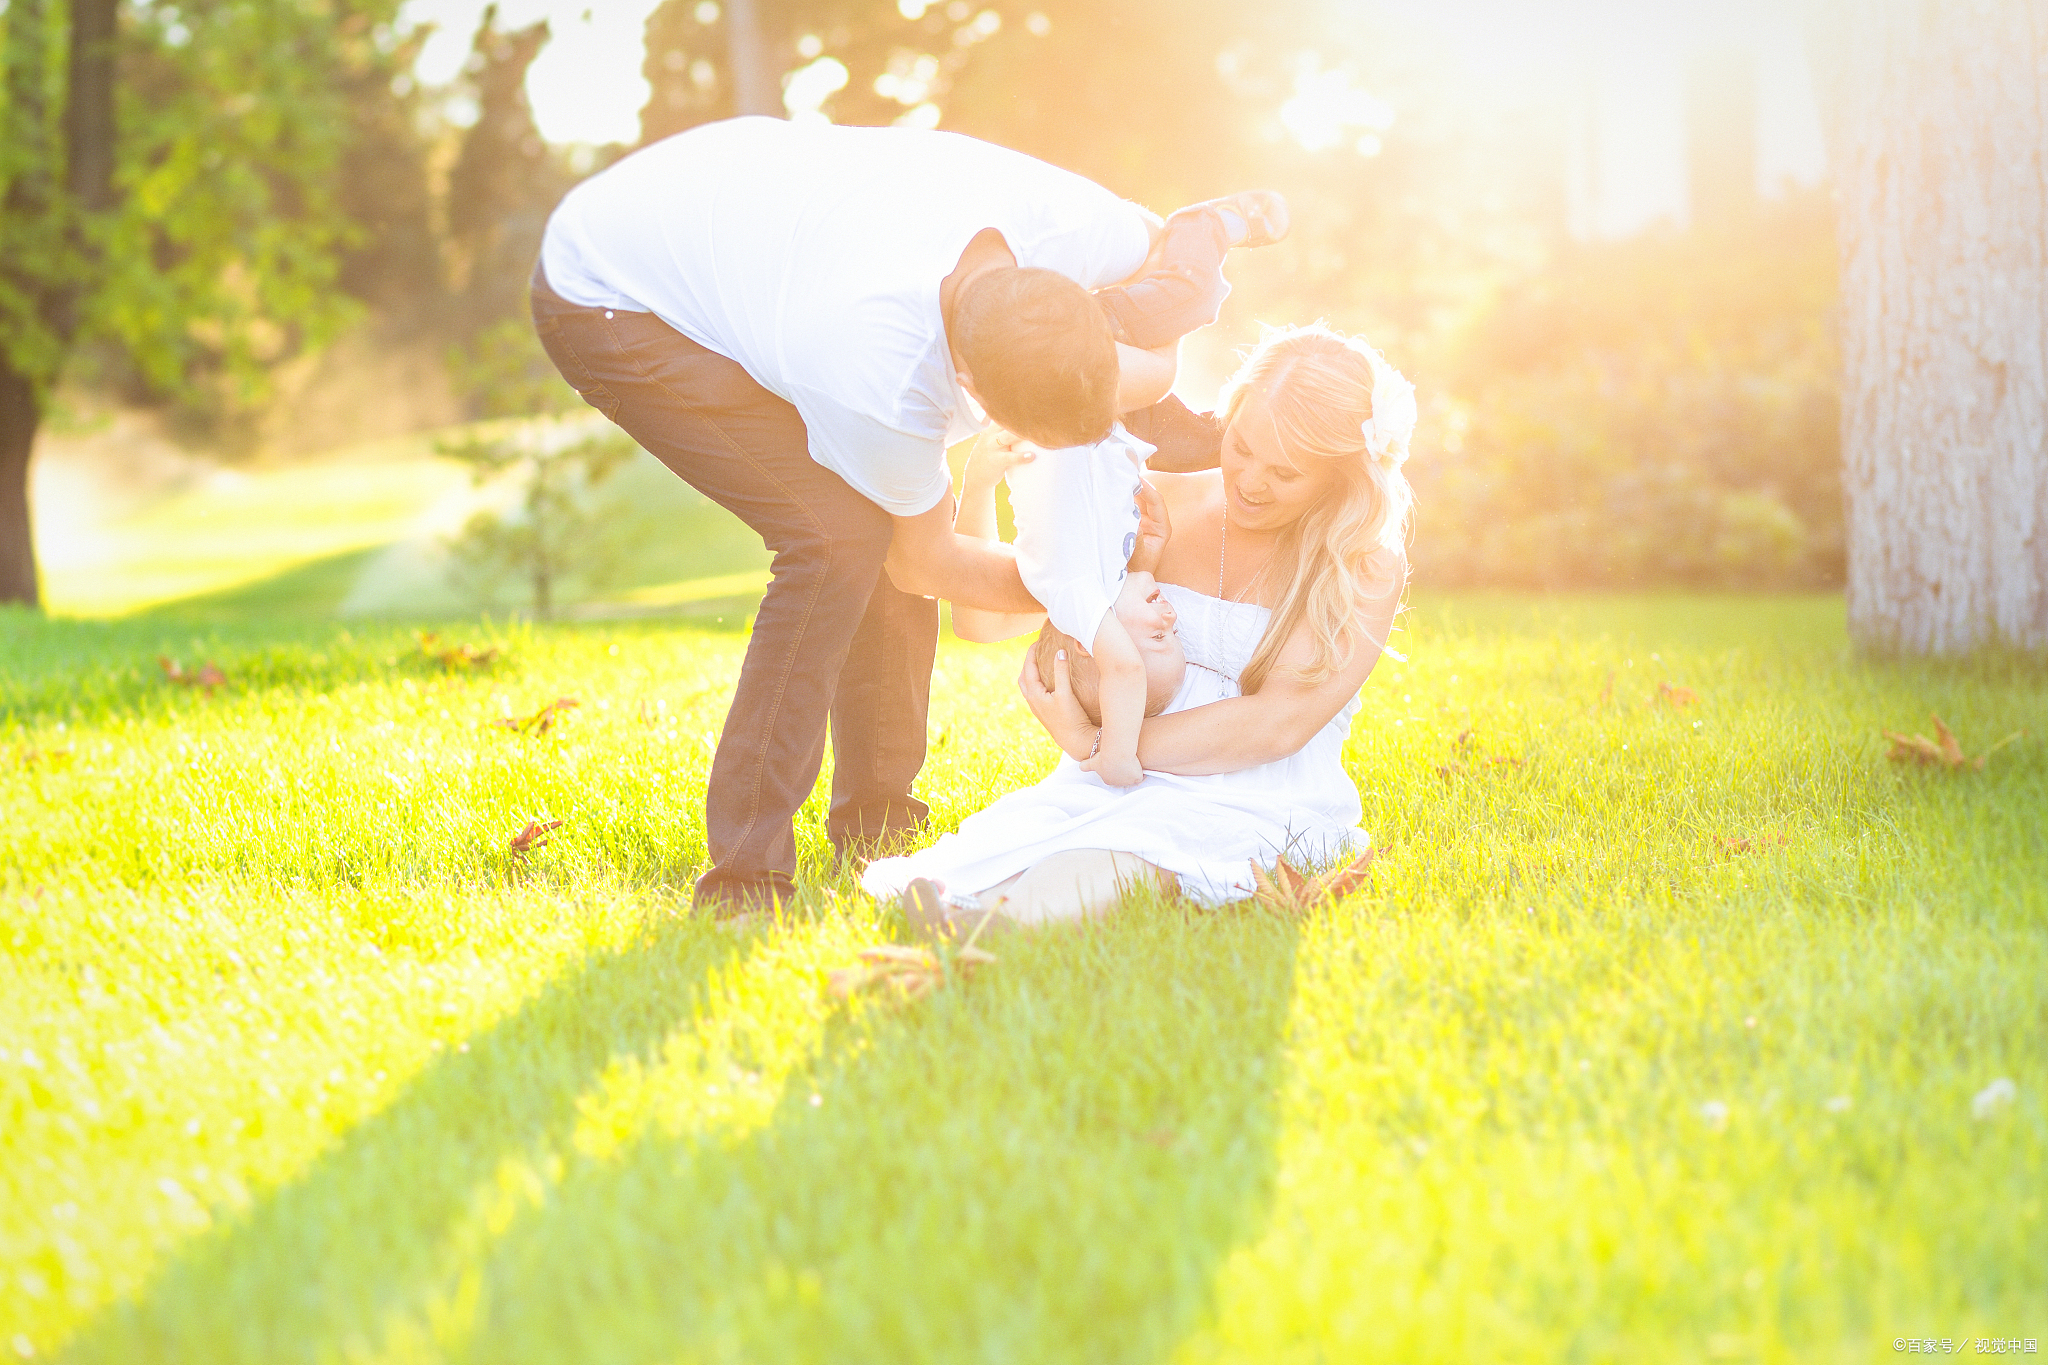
{"x":1938,"y":133}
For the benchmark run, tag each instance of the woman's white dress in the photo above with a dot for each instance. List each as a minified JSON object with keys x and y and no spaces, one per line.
{"x":1208,"y":830}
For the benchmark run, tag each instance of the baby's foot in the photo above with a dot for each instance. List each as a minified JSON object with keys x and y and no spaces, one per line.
{"x":1252,"y":217}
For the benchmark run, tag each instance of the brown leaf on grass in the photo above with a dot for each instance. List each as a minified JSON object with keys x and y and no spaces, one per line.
{"x":1288,"y":890}
{"x":1943,"y":751}
{"x":1736,"y":844}
{"x":1675,"y":696}
{"x":1464,"y":759}
{"x":47,"y":758}
{"x":541,"y":721}
{"x":1341,"y":882}
{"x":207,"y":675}
{"x":903,"y":973}
{"x":534,"y":836}
{"x":456,"y":657}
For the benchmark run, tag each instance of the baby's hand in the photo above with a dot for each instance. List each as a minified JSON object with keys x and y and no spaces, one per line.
{"x":995,"y":454}
{"x":1118,"y":770}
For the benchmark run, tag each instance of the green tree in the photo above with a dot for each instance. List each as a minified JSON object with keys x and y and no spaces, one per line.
{"x":172,"y":192}
{"x":556,"y":532}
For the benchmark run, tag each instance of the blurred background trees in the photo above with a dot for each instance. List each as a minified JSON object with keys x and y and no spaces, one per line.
{"x":1602,"y":408}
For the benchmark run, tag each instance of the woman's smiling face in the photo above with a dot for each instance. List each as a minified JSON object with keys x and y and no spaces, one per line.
{"x":1263,"y":490}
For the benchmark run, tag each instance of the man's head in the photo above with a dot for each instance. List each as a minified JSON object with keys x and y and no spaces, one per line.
{"x":1036,"y":351}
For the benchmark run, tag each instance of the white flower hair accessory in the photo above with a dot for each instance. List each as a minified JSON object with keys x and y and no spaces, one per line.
{"x":1392,"y":423}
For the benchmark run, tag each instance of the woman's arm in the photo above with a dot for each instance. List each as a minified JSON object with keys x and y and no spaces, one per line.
{"x":1228,"y":735}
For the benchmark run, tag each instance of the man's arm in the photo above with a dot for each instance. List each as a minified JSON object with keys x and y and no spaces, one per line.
{"x":926,"y":557}
{"x":996,"y":452}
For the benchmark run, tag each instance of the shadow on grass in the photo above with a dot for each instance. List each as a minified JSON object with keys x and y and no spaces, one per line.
{"x":358,"y":1236}
{"x":70,"y":669}
{"x":1051,"y":1163}
{"x":313,"y":589}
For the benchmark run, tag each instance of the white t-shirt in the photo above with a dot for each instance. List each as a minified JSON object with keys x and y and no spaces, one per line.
{"x":812,"y":255}
{"x":1077,"y":523}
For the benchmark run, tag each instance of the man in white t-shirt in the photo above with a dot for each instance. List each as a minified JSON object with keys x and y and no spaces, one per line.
{"x":798,"y":319}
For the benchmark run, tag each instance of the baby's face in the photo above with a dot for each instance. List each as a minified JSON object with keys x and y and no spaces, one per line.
{"x":1149,"y":619}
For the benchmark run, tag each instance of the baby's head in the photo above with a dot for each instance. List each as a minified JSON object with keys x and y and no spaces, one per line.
{"x":1148,"y":617}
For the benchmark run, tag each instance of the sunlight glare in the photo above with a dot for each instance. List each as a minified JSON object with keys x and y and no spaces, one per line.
{"x":808,"y":87}
{"x":1328,"y":109}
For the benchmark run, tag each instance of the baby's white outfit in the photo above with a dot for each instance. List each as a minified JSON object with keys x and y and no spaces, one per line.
{"x":1077,"y":523}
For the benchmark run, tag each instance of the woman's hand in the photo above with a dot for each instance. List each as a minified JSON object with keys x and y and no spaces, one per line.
{"x":1055,"y":708}
{"x":1154,"y":530}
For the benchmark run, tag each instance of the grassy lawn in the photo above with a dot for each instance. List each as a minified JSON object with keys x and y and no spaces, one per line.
{"x":299,"y":1063}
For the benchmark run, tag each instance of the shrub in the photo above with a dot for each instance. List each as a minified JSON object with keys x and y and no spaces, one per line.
{"x":1659,"y":412}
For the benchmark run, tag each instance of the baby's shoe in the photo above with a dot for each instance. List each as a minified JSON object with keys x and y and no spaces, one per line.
{"x":1252,"y":217}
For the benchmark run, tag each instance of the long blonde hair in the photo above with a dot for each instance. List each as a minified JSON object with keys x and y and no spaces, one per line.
{"x":1349,"y":549}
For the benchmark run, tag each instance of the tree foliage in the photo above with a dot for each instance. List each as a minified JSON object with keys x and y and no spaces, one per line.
{"x":1655,"y":412}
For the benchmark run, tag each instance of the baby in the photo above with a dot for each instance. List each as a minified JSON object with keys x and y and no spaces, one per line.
{"x":1077,"y":525}
{"x":1149,"y":622}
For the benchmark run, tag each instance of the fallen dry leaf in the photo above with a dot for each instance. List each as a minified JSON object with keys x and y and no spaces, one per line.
{"x":1944,"y":750}
{"x":1677,"y":697}
{"x":1737,"y":844}
{"x":1286,"y":889}
{"x":47,"y":758}
{"x":541,"y":721}
{"x":534,"y":836}
{"x":456,"y":657}
{"x":1464,"y":760}
{"x":207,"y":676}
{"x":906,"y":973}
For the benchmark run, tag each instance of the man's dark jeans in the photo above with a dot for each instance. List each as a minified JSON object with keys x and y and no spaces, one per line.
{"x":833,"y":635}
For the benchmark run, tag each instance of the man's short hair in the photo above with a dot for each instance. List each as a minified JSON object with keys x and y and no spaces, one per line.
{"x":1041,"y":354}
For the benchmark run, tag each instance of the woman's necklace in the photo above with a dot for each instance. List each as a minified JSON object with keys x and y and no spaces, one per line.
{"x":1223,"y":554}
{"x":1223,"y":558}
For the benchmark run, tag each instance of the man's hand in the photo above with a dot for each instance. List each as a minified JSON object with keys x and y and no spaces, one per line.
{"x":996,"y":452}
{"x":1154,"y":530}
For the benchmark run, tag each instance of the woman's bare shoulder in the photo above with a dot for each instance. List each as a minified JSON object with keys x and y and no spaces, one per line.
{"x":1182,"y":488}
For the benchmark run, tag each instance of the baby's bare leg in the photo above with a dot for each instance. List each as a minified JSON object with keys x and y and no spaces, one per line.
{"x":1072,"y":886}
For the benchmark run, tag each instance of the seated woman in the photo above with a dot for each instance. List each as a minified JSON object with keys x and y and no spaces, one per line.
{"x":1299,"y":536}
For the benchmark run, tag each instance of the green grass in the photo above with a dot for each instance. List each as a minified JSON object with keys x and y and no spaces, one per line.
{"x":359,"y":531}
{"x":298,"y":1063}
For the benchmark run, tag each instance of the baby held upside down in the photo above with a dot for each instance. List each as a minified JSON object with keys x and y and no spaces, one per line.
{"x":1133,"y":670}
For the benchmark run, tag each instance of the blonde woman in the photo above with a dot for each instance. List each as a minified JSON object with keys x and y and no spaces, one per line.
{"x":1283,"y":568}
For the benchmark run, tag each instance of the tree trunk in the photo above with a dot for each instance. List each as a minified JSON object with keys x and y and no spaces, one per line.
{"x":1938,"y":134}
{"x":757,"y":85}
{"x":88,"y":124}
{"x":20,"y":413}
{"x":89,"y":105}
